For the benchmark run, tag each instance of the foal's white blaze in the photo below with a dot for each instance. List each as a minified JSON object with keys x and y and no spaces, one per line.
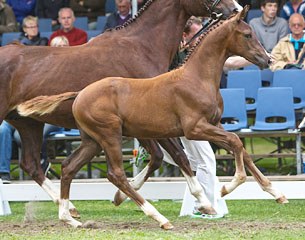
{"x":136,"y":183}
{"x":64,"y":214}
{"x":150,"y":211}
{"x":53,"y":191}
{"x":239,"y":8}
{"x":197,"y":191}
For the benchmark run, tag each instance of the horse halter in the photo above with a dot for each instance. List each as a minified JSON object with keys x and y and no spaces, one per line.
{"x":213,"y":14}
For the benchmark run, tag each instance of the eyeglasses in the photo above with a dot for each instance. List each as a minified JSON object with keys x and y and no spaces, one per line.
{"x":31,"y":27}
{"x":295,"y":25}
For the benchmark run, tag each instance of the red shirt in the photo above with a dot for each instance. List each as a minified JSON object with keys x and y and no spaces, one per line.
{"x":76,"y":36}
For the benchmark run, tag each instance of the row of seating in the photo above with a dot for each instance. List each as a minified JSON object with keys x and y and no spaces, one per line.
{"x":251,"y":81}
{"x":11,"y":36}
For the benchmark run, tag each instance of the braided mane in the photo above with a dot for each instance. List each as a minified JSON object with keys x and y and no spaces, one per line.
{"x":200,"y":38}
{"x":133,"y":19}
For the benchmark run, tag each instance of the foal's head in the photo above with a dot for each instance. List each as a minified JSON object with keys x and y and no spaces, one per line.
{"x":242,"y":41}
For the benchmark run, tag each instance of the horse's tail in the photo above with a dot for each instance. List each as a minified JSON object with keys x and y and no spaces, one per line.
{"x":44,"y":104}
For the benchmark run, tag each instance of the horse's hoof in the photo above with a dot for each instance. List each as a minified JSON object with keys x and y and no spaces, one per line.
{"x":118,"y":198}
{"x":74,"y":213}
{"x":282,"y":200}
{"x":223,"y":191}
{"x":207,"y":210}
{"x":167,"y":226}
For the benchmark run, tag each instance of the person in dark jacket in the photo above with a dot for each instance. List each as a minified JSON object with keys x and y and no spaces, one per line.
{"x":30,"y":35}
{"x":88,"y":8}
{"x":121,"y":16}
{"x":22,"y":8}
{"x":50,"y":9}
{"x":7,"y":19}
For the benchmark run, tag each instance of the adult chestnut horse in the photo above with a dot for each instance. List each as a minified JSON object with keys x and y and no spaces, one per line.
{"x":144,"y":47}
{"x":185,"y":101}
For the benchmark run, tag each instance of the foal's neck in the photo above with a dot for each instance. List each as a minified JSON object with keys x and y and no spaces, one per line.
{"x":207,"y":60}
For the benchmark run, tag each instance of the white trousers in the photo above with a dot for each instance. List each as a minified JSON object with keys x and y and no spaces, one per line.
{"x":202,"y":160}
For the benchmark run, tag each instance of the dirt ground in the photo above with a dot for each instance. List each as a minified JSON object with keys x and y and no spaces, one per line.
{"x":179,"y":227}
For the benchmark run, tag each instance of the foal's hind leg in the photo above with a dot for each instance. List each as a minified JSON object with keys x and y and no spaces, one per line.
{"x":262,"y":180}
{"x":137,"y":182}
{"x":70,"y":166}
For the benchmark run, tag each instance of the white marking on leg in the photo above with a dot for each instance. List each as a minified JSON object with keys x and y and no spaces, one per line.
{"x":64,"y":214}
{"x":197,"y":191}
{"x":152,"y":212}
{"x":274,"y":192}
{"x":50,"y":188}
{"x":236,"y":181}
{"x":136,"y":183}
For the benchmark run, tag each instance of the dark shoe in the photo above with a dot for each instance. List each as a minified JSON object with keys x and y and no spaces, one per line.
{"x":5,"y":177}
{"x":45,"y":165}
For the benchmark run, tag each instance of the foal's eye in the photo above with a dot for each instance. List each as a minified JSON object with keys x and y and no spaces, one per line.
{"x":248,"y":36}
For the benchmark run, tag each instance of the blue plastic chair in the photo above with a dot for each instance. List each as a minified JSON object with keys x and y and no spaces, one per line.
{"x":251,"y":67}
{"x":101,"y":22}
{"x":46,"y":34}
{"x":45,"y":24}
{"x":82,"y":23}
{"x":93,"y":33}
{"x":274,"y":103}
{"x":267,"y":77}
{"x":110,"y":6}
{"x":294,"y":79}
{"x":253,"y":13}
{"x":9,"y":37}
{"x":234,"y":109}
{"x":250,"y":80}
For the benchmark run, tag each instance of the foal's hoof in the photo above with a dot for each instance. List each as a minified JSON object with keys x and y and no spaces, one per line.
{"x":282,"y":200}
{"x":223,"y":191}
{"x":74,"y":213}
{"x":167,"y":226}
{"x":118,"y":198}
{"x":207,"y":210}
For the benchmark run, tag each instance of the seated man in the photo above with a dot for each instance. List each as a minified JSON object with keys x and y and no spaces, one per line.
{"x":290,"y":50}
{"x":121,"y":16}
{"x":291,"y":7}
{"x":75,"y":35}
{"x":269,"y":28}
{"x":7,"y":19}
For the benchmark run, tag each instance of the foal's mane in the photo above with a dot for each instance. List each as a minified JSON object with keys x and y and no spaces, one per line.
{"x":133,"y":19}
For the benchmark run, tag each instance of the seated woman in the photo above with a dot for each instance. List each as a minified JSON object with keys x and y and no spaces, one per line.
{"x":30,"y":35}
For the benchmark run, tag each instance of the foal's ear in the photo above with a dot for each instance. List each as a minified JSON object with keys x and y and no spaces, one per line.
{"x":243,"y":13}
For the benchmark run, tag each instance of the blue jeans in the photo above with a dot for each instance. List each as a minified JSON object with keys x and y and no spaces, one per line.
{"x":6,"y":138}
{"x":48,"y":128}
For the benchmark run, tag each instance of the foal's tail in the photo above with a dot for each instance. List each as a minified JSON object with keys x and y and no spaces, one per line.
{"x":44,"y":104}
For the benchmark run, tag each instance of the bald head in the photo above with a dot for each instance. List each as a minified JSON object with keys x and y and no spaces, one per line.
{"x":296,"y":25}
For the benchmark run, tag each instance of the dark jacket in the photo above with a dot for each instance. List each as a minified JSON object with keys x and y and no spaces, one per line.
{"x":50,"y":8}
{"x":7,"y":19}
{"x":22,"y":8}
{"x":91,"y":8}
{"x":37,"y":41}
{"x":113,"y":20}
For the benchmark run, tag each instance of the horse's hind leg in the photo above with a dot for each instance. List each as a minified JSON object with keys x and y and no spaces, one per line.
{"x":70,"y":166}
{"x":262,"y":180}
{"x":155,"y":162}
{"x":31,"y":139}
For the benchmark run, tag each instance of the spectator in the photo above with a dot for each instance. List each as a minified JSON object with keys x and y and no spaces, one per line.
{"x":291,"y":7}
{"x":59,"y":41}
{"x":75,"y":35}
{"x":269,"y":28}
{"x":50,"y":9}
{"x":200,"y":154}
{"x":30,"y":35}
{"x":88,"y":8}
{"x":7,"y":19}
{"x":121,"y":16}
{"x":290,"y":49}
{"x":22,"y":8}
{"x":6,"y":138}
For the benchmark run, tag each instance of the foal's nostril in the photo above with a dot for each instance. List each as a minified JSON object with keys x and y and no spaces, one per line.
{"x":269,"y":61}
